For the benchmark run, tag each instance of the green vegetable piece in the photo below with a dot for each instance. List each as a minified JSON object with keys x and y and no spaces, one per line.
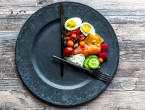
{"x":93,"y":63}
{"x":92,"y":56}
{"x":86,"y":63}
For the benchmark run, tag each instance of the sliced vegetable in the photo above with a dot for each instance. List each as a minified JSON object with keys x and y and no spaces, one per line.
{"x":86,"y":63}
{"x":92,"y":56}
{"x":93,"y":63}
{"x":70,"y":43}
{"x":87,"y":59}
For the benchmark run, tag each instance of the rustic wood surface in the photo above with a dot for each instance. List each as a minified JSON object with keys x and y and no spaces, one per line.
{"x":126,"y":91}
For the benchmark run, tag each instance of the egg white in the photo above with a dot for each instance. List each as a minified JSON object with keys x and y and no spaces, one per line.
{"x":78,"y":22}
{"x":92,"y":31}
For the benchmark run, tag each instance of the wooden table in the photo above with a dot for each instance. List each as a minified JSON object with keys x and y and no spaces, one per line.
{"x":126,"y":91}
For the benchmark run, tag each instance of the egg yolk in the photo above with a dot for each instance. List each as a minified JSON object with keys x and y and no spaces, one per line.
{"x":71,"y":24}
{"x":86,"y":28}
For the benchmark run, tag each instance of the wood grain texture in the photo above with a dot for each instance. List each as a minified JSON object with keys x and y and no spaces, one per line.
{"x":109,"y":100}
{"x":126,"y":91}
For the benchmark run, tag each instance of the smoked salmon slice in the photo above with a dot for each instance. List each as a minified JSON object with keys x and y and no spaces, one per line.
{"x":88,"y":49}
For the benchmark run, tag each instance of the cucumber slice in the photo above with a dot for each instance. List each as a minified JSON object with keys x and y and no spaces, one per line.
{"x":86,"y":63}
{"x":93,"y":63}
{"x":92,"y":56}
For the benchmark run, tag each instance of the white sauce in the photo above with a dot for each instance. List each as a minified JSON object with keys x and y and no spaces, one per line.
{"x":77,"y":59}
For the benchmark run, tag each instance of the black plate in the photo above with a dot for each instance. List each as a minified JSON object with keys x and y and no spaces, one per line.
{"x":40,"y":38}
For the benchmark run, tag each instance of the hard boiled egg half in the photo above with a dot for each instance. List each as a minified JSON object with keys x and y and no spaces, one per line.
{"x":72,"y":23}
{"x":87,"y":28}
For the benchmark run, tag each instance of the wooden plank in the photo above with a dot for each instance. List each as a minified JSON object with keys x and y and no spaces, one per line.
{"x":117,"y":84}
{"x":25,"y":12}
{"x":131,"y":69}
{"x":130,"y":109}
{"x":125,"y":19}
{"x":13,"y":24}
{"x":17,"y":3}
{"x":25,"y":100}
{"x":108,"y":100}
{"x":104,"y":4}
{"x":17,"y":11}
{"x":112,"y":100}
{"x":11,"y":84}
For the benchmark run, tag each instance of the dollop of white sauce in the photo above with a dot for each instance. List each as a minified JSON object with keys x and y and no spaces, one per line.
{"x":77,"y":59}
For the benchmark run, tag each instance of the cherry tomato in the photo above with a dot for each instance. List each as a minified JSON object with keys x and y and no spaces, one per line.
{"x":82,"y":43}
{"x":101,"y":60}
{"x":70,"y":43}
{"x":98,"y":50}
{"x":68,"y":51}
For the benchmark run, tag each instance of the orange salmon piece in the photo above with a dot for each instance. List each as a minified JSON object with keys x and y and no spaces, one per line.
{"x":86,"y":50}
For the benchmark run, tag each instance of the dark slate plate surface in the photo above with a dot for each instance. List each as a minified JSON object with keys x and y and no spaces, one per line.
{"x":39,"y":39}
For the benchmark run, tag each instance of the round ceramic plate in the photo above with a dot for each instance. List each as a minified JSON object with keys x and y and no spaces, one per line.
{"x":40,"y":39}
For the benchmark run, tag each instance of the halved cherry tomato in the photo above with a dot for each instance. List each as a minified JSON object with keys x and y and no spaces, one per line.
{"x":70,"y":43}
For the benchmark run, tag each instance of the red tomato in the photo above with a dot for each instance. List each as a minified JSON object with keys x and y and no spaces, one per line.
{"x":68,"y":51}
